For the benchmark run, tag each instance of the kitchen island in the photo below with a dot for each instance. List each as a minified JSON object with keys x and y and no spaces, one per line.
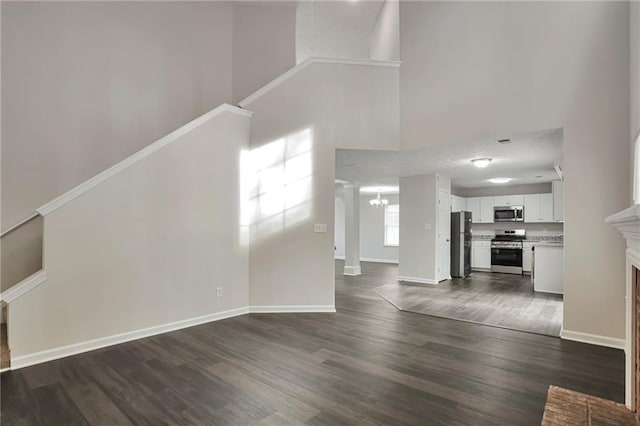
{"x":548,"y":267}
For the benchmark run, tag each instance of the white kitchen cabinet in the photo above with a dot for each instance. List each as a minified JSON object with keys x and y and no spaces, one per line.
{"x":481,"y":254}
{"x":527,"y":251}
{"x":458,"y":204}
{"x":508,"y":200}
{"x":486,"y":209}
{"x":473,"y":205}
{"x":546,"y":207}
{"x":538,"y":208}
{"x":549,"y":269}
{"x":481,"y":209}
{"x":558,"y":200}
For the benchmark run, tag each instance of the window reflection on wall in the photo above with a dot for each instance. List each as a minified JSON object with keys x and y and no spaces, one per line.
{"x":276,"y":185}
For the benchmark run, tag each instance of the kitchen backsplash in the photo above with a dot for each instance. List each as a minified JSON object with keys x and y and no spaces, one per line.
{"x":535,"y":232}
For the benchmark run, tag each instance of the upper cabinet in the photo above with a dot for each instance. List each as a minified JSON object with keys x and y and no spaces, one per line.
{"x":481,"y":209}
{"x":558,"y":201}
{"x":473,"y":205}
{"x":458,"y":204}
{"x":508,"y":200}
{"x":538,"y":208}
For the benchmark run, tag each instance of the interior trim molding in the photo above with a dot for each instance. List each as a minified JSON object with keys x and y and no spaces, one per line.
{"x":371,"y":259}
{"x":593,"y":339}
{"x":291,"y":309}
{"x":352,"y":271}
{"x":90,"y":345}
{"x":417,"y":280}
{"x":23,"y":287}
{"x":304,"y":64}
{"x":134,"y":158}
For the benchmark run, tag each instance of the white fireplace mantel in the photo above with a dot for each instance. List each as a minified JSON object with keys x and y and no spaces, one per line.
{"x":628,"y":223}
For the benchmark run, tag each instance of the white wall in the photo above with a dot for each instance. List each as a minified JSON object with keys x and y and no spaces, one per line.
{"x":372,"y":231}
{"x":344,"y":106}
{"x":372,"y":246}
{"x":418,"y":207}
{"x":145,"y":248}
{"x":263,"y":44}
{"x":385,"y":37}
{"x":88,"y":83}
{"x":74,"y":105}
{"x":21,"y":253}
{"x":339,"y":225}
{"x":338,"y":29}
{"x":514,"y":67}
{"x":635,"y":72}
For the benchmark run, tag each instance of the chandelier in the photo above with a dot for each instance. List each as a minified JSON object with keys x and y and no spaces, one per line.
{"x":378,"y":202}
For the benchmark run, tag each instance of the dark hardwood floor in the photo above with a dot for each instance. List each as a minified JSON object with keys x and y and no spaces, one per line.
{"x":367,"y":364}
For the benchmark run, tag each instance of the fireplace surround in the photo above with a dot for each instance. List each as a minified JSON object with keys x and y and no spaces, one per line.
{"x":628,"y":223}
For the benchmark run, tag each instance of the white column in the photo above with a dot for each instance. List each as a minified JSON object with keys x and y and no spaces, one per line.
{"x":352,"y":230}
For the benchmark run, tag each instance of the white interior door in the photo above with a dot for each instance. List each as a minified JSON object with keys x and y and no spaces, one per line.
{"x":444,"y":235}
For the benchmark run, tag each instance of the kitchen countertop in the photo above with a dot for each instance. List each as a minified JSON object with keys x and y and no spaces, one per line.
{"x":558,"y":244}
{"x":553,"y":240}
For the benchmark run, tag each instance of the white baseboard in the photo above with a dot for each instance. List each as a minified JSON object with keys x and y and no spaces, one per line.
{"x":371,"y":259}
{"x":417,"y":280}
{"x":352,"y":270}
{"x":291,"y":309}
{"x":90,"y":345}
{"x":592,"y":339}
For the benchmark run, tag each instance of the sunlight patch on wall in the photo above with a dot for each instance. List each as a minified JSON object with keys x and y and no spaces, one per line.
{"x":276,"y":182}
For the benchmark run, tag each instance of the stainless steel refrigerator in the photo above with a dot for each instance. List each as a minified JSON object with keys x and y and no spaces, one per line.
{"x":460,"y":244}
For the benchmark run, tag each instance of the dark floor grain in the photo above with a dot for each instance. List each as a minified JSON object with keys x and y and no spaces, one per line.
{"x":367,"y":364}
{"x":500,"y":300}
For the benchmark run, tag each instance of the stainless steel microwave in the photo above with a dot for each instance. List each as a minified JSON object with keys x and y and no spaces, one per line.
{"x":508,"y":214}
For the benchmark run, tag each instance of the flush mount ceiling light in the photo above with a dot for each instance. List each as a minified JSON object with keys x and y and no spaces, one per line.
{"x":500,"y":180}
{"x":481,"y":162}
{"x":378,"y":202}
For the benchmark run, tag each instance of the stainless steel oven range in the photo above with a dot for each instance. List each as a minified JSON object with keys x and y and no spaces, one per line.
{"x":506,"y":251}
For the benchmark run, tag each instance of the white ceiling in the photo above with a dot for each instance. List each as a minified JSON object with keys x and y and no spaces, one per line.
{"x":527,"y":156}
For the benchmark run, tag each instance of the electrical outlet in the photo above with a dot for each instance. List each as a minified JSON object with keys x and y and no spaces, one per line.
{"x":219,"y":292}
{"x":427,"y":226}
{"x":320,"y":227}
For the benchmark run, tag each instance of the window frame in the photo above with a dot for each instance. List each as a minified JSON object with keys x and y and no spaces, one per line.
{"x":386,"y":226}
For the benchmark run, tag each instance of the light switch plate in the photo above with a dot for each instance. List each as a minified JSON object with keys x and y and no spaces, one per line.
{"x":320,"y":227}
{"x":427,"y":226}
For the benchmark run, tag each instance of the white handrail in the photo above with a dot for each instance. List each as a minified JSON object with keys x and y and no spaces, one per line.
{"x":24,"y":286}
{"x":160,"y":143}
{"x":19,"y":224}
{"x":302,"y":65}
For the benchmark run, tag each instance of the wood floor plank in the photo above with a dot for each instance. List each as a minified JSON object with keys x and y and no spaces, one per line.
{"x":96,"y":407}
{"x":56,"y":406}
{"x":366,"y":364}
{"x":502,"y":300}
